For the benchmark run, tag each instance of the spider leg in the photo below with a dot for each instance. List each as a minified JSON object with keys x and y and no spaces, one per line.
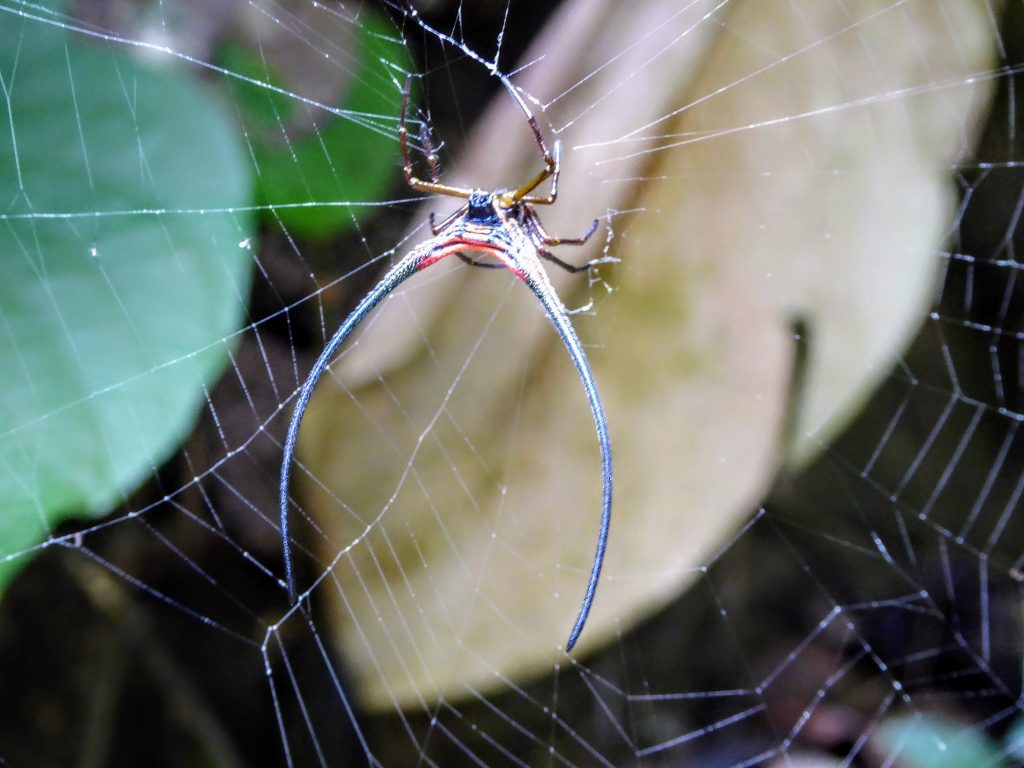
{"x":551,"y":196}
{"x":563,"y":264}
{"x":398,"y":273}
{"x":542,"y":238}
{"x":438,"y":228}
{"x":410,"y":179}
{"x":547,"y":239}
{"x":475,"y":263}
{"x":428,"y":146}
{"x":550,"y":161}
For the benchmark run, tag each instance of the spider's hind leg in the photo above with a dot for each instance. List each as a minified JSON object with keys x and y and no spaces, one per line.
{"x":475,"y":263}
{"x":544,"y":254}
{"x":547,"y":239}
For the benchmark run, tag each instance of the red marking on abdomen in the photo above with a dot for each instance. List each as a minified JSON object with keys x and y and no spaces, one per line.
{"x":458,"y":244}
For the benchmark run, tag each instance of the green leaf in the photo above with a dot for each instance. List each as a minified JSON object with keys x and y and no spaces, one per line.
{"x":930,"y":741}
{"x":111,"y":325}
{"x":350,"y":159}
{"x":1014,"y":740}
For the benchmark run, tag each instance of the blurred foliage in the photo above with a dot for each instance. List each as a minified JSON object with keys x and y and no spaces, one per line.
{"x":931,"y":741}
{"x":1015,"y":741}
{"x":115,"y":317}
{"x":118,"y":325}
{"x":348,"y":159}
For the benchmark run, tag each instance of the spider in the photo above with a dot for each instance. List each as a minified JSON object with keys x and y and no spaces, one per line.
{"x":503,"y":224}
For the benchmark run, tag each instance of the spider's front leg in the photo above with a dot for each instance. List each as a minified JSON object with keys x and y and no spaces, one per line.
{"x":551,"y":169}
{"x":434,"y":187}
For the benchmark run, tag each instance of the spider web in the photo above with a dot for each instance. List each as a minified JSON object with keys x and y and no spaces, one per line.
{"x":879,"y":583}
